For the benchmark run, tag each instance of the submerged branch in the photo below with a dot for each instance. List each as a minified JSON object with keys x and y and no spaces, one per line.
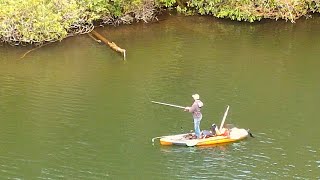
{"x":34,"y":49}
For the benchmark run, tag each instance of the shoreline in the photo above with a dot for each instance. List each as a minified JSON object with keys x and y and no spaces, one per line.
{"x":21,"y":26}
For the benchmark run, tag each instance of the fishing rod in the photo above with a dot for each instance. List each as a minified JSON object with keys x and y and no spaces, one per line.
{"x":167,"y":104}
{"x":172,"y":105}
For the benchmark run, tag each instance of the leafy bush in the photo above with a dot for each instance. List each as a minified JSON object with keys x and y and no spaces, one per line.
{"x":252,"y":10}
{"x":39,"y":21}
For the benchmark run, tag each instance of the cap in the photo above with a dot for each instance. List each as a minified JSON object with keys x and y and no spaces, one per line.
{"x":196,"y":96}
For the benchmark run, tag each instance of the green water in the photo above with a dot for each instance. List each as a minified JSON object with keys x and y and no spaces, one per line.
{"x":76,"y":110}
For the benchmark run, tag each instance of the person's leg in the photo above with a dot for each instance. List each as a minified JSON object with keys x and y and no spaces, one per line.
{"x":199,"y":121}
{"x":197,"y":127}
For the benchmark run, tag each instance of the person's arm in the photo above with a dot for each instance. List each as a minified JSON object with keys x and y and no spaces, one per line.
{"x":192,"y":108}
{"x":189,"y":109}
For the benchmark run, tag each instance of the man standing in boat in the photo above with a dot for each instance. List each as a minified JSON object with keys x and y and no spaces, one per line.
{"x":196,"y":114}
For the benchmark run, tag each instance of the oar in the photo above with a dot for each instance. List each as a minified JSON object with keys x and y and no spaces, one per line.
{"x":166,"y":104}
{"x":224,"y":117}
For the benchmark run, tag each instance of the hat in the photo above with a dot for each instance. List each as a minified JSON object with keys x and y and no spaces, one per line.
{"x":196,"y":96}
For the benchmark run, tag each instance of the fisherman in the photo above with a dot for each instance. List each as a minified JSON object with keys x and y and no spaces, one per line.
{"x":196,"y":114}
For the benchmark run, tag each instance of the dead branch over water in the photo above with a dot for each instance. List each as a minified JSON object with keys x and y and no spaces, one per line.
{"x":111,"y":44}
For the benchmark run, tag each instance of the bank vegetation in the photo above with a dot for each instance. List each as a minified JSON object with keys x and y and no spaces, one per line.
{"x":39,"y":21}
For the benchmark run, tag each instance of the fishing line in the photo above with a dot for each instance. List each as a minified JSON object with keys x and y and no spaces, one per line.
{"x":149,"y":99}
{"x":147,"y":93}
{"x":154,"y":114}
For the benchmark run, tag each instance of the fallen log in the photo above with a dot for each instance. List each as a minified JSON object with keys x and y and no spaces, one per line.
{"x":111,"y":44}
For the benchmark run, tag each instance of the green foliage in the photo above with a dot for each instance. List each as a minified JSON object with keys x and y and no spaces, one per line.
{"x":252,"y":10}
{"x":168,"y":3}
{"x":183,"y":10}
{"x":38,"y":21}
{"x":313,"y":5}
{"x":233,"y":9}
{"x":96,"y":7}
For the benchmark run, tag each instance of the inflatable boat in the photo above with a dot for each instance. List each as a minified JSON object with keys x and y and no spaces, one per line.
{"x":188,"y":139}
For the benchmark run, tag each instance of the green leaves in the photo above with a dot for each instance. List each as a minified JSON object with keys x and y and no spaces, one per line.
{"x":249,"y":10}
{"x":167,"y":3}
{"x":38,"y":21}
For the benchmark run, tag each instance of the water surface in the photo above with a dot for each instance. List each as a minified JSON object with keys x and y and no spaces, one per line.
{"x":76,"y":110}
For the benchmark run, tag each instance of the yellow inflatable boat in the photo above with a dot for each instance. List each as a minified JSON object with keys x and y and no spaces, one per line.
{"x":233,"y":135}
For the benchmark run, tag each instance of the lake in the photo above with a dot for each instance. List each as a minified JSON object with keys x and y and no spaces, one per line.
{"x":76,"y":110}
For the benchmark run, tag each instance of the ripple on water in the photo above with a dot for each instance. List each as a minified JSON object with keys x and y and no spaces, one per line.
{"x":77,"y":160}
{"x":222,"y":162}
{"x":14,"y":166}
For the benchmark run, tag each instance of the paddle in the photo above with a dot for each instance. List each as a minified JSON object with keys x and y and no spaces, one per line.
{"x":224,"y":118}
{"x":166,"y":104}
